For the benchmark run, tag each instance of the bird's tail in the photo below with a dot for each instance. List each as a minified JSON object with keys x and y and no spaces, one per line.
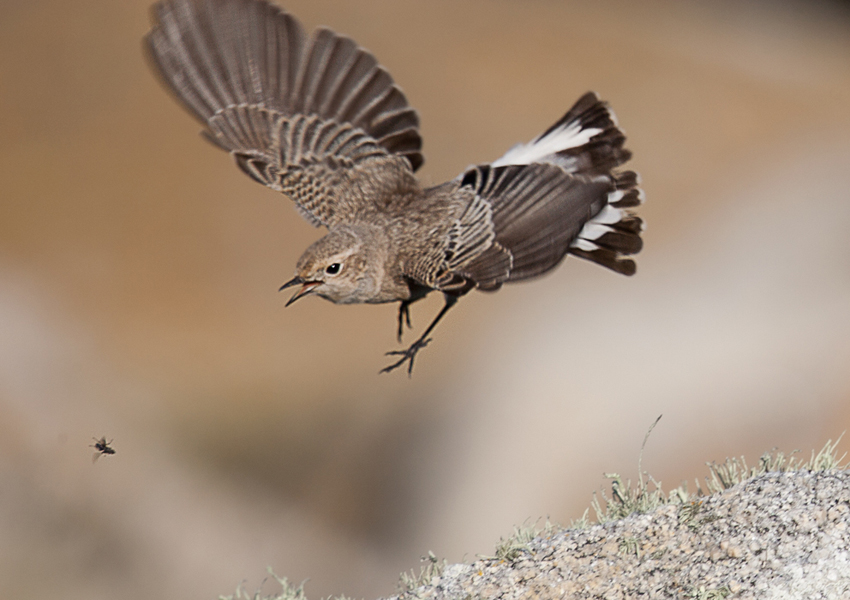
{"x":559,"y":194}
{"x":612,"y":235}
{"x":586,"y":140}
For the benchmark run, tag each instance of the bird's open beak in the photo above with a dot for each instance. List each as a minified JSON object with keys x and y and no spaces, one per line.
{"x":306,"y":287}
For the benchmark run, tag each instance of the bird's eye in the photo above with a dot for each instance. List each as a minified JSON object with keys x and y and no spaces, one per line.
{"x":333,"y":269}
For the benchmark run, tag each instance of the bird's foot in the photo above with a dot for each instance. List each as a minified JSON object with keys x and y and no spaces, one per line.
{"x":406,"y":356}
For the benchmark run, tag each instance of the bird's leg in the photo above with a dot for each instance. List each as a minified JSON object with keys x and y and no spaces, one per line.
{"x":404,"y":315}
{"x":409,"y":354}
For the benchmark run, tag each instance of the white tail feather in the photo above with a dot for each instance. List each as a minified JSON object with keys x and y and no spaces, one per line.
{"x":600,"y":224}
{"x":583,"y":244}
{"x":608,"y":215}
{"x":592,"y":231}
{"x":570,"y":135}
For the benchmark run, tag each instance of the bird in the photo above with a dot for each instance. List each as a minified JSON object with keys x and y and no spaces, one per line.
{"x":320,"y":120}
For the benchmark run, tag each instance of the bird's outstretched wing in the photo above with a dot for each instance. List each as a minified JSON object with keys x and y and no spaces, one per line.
{"x":317,"y":119}
{"x":558,"y":194}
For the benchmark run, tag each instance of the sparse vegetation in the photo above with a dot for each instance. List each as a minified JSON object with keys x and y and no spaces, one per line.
{"x":287,"y":591}
{"x":409,"y":581}
{"x":735,"y":470}
{"x":626,"y":500}
{"x":629,"y":546}
{"x":511,"y":548}
{"x":701,"y":593}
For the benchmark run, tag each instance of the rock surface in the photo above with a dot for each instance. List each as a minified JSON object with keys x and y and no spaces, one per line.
{"x":775,"y":536}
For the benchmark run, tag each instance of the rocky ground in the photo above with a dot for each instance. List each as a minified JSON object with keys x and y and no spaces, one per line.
{"x":777,"y":535}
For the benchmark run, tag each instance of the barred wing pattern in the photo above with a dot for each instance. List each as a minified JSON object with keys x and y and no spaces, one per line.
{"x":556,"y":195}
{"x":305,"y":117}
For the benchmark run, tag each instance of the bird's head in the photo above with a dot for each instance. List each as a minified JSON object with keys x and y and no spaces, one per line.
{"x":344,"y":267}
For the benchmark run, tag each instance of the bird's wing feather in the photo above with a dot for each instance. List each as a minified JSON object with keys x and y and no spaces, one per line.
{"x":310,"y":118}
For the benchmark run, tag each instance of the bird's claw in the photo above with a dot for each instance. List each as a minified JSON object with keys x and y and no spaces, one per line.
{"x":406,"y":355}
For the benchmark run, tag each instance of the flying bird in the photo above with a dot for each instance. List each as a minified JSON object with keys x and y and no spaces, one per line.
{"x":318,"y":119}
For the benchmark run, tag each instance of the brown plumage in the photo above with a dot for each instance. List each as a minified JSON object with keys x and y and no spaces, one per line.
{"x":319,"y":120}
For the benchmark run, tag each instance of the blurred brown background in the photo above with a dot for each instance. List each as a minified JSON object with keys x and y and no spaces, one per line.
{"x":138,"y":299}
